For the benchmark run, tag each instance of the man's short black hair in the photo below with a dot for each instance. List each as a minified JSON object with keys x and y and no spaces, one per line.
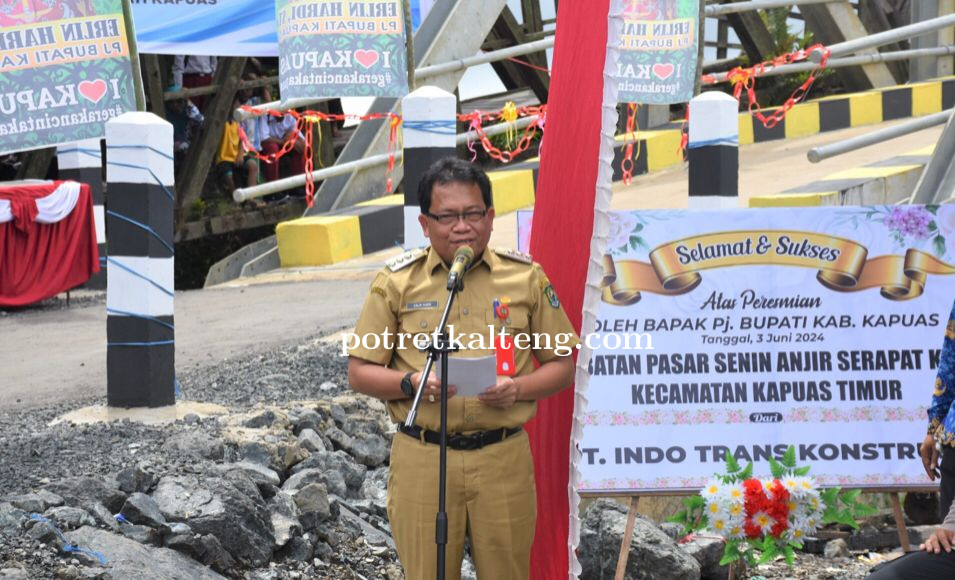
{"x":452,"y":170}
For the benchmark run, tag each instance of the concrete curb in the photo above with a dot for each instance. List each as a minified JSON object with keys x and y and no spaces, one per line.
{"x":883,"y":182}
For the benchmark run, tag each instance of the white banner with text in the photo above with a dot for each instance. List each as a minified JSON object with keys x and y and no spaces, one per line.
{"x":813,"y":327}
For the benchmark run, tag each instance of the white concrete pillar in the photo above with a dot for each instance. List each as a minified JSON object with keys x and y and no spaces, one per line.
{"x":714,"y":151}
{"x":82,"y":161}
{"x":429,"y":125}
{"x":140,"y":333}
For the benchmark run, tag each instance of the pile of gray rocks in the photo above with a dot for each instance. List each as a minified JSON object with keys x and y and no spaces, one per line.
{"x":294,"y":488}
{"x":271,"y":493}
{"x":289,"y":483}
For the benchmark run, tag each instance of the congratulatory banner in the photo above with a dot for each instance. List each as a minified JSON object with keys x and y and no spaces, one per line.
{"x":64,"y":71}
{"x":332,"y":48}
{"x":816,"y":327}
{"x":658,"y":50}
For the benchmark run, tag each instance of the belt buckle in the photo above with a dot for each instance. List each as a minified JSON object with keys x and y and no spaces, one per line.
{"x":468,"y":442}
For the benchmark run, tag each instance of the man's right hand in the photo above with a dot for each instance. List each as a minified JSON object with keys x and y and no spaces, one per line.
{"x":432,"y":389}
{"x":941,"y":539}
{"x":930,"y":456}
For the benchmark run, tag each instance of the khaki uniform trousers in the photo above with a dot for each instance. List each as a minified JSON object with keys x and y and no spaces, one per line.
{"x":490,"y":496}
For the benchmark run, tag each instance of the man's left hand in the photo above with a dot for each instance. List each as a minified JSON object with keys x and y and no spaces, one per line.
{"x":502,"y":395}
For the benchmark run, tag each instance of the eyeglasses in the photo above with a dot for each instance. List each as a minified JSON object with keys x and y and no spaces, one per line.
{"x":446,"y":219}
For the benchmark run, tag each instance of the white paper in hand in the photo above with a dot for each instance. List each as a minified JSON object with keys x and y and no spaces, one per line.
{"x":471,"y":376}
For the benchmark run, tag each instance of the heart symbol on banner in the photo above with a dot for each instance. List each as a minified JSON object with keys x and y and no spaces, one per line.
{"x":663,"y":70}
{"x":92,"y":91}
{"x":366,"y":58}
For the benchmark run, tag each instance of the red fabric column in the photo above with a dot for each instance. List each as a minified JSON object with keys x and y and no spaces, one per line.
{"x":38,"y":261}
{"x":560,"y":241}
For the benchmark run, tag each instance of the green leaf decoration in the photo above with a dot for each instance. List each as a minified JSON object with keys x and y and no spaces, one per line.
{"x":768,"y":554}
{"x":850,"y":496}
{"x":746,"y":473}
{"x":932,"y":208}
{"x":790,"y":555}
{"x":938,"y":242}
{"x":730,"y":554}
{"x":801,"y":471}
{"x":732,"y":466}
{"x":789,"y":458}
{"x":776,"y":468}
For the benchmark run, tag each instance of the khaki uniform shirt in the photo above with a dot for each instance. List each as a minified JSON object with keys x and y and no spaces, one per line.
{"x":410,"y":296}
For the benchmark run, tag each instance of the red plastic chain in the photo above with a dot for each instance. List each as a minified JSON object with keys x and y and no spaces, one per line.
{"x":476,"y":120}
{"x":306,"y":120}
{"x":630,"y":138}
{"x":309,"y":184}
{"x":744,"y":79}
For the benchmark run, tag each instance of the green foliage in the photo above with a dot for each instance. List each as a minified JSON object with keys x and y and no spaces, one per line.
{"x":198,"y":209}
{"x":844,"y":507}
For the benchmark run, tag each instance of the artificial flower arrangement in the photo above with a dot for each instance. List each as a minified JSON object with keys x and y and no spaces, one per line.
{"x":762,"y":519}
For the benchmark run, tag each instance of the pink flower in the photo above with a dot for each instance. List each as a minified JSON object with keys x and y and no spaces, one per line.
{"x":909,"y":221}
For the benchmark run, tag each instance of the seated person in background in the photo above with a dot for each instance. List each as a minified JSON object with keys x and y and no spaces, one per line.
{"x":186,"y":120}
{"x":193,"y":71}
{"x":280,"y":131}
{"x":934,"y":561}
{"x":234,"y":160}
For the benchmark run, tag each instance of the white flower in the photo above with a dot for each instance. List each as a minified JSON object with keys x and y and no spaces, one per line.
{"x":719,"y":525}
{"x":715,"y":509}
{"x":736,"y":510}
{"x":764,"y":521}
{"x":794,"y":534}
{"x":736,"y":531}
{"x":732,"y":492}
{"x":790,"y":482}
{"x":711,"y":489}
{"x":621,"y":227}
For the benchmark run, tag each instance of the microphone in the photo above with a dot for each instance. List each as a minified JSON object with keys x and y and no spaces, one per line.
{"x":462,"y":259}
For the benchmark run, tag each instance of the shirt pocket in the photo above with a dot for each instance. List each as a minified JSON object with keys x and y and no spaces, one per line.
{"x":416,"y":322}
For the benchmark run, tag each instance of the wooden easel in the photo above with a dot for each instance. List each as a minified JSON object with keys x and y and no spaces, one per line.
{"x":627,"y":536}
{"x":900,"y":522}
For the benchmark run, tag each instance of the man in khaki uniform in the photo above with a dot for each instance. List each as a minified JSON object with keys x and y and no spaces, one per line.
{"x":491,"y":494}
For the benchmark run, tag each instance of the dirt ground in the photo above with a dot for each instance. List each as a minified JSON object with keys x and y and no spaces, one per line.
{"x":55,"y":353}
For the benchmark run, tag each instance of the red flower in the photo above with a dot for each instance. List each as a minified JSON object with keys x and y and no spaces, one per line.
{"x":756,"y":500}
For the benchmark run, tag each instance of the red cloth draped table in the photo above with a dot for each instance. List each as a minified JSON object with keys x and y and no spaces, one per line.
{"x":47,"y":240}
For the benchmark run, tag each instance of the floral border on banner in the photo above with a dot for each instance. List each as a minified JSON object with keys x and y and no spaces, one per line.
{"x":698,"y":482}
{"x":730,"y":416}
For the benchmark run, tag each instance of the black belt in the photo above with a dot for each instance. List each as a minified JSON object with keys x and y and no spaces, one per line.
{"x":460,"y":441}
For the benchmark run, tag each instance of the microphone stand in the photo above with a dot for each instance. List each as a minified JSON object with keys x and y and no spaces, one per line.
{"x":440,"y":347}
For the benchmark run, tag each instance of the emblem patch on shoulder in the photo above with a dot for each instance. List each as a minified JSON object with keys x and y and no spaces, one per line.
{"x":551,"y":296}
{"x":406,"y":259}
{"x":514,"y":255}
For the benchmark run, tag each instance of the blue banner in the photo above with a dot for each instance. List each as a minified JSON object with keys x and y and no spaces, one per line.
{"x":217,"y":27}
